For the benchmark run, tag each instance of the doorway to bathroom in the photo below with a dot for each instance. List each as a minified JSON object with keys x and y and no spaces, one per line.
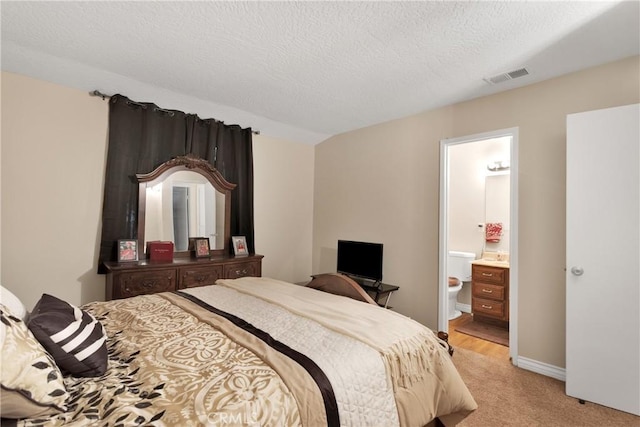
{"x":478,"y":216}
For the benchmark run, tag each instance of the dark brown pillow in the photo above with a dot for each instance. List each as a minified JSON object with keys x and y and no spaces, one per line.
{"x":73,"y":337}
{"x":339,"y":284}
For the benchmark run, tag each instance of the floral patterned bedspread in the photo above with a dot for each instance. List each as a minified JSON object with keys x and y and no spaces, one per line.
{"x":259,"y":352}
{"x":169,"y":366}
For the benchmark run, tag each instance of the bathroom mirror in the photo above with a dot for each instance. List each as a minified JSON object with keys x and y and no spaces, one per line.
{"x":181,"y":199}
{"x":497,"y":207}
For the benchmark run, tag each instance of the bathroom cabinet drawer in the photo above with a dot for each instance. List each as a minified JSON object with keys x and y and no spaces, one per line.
{"x":487,"y":291}
{"x":488,"y":307}
{"x":489,"y":274}
{"x":490,"y":294}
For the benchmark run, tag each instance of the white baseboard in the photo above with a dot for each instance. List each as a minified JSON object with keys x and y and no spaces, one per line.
{"x":465,"y":308}
{"x":526,"y":363}
{"x":542,"y":368}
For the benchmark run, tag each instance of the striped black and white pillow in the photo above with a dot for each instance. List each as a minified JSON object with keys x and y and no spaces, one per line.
{"x":73,"y":337}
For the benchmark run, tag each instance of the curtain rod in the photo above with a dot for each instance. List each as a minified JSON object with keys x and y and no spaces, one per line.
{"x":103,"y":96}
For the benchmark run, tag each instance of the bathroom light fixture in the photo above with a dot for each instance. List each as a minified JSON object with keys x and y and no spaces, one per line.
{"x":498,"y":166}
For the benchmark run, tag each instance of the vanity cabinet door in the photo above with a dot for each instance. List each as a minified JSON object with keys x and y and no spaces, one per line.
{"x":486,"y":274}
{"x":488,"y":307}
{"x":486,"y":290}
{"x":191,"y":277}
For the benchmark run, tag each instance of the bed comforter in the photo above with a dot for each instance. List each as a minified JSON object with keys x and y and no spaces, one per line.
{"x":260,"y":352}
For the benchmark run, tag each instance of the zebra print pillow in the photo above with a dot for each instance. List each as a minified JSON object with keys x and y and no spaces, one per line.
{"x":74,"y":338}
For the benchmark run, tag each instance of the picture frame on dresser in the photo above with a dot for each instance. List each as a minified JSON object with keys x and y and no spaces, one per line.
{"x":127,"y":250}
{"x":201,"y":248}
{"x":239,"y":245}
{"x":192,"y":243}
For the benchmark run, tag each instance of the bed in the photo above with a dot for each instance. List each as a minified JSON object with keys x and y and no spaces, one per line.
{"x":251,"y":351}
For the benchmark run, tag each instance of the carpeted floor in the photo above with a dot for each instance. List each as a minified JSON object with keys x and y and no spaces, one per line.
{"x":486,"y":332}
{"x":510,"y":396}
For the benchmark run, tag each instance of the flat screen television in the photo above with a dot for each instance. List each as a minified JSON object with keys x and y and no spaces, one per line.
{"x":360,"y":259}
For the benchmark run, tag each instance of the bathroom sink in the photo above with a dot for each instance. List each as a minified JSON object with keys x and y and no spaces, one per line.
{"x":492,"y":263}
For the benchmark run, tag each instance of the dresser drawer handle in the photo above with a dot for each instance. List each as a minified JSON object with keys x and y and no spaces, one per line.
{"x":200,"y":279}
{"x":488,"y":307}
{"x":487,"y":274}
{"x":241,"y":272}
{"x":148,"y":284}
{"x":487,"y":291}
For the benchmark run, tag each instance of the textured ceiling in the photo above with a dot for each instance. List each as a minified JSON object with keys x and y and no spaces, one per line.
{"x":308,"y":70}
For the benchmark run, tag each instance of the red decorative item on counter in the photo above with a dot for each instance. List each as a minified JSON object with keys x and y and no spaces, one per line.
{"x":160,"y":251}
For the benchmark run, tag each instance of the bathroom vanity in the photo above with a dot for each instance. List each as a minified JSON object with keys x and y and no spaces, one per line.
{"x":490,"y":292}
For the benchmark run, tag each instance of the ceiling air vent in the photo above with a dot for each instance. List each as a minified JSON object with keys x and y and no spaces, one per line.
{"x":503,"y":77}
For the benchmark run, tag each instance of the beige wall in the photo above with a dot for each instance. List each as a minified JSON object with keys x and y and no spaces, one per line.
{"x":54,"y":143}
{"x":381,"y":184}
{"x":283,"y":177}
{"x":53,"y":159}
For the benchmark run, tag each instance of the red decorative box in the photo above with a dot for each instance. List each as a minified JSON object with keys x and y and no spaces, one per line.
{"x":160,"y":251}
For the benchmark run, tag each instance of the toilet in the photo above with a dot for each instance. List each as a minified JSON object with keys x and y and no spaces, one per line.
{"x":458,"y":271}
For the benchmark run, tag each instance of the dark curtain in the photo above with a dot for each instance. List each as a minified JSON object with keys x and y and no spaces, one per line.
{"x":142,"y":136}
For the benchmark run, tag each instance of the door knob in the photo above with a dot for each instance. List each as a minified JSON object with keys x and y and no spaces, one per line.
{"x":577,"y":271}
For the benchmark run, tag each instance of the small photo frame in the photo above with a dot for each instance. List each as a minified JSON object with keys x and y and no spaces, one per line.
{"x":201,"y":247}
{"x":127,"y":250}
{"x":239,"y":245}
{"x":192,"y":243}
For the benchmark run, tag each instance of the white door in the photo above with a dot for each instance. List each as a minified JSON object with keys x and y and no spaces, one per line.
{"x":603,"y":254}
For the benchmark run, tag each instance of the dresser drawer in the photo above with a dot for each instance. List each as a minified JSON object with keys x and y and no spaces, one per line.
{"x":488,"y":291}
{"x":147,"y":282}
{"x":236,"y":270}
{"x":146,"y":277}
{"x":488,"y":307}
{"x":486,"y":274}
{"x":192,"y":277}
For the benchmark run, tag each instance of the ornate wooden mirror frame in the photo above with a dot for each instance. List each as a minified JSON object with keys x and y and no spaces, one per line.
{"x":185,"y":163}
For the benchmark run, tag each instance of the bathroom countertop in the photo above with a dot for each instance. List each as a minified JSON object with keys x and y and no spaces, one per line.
{"x":491,"y":263}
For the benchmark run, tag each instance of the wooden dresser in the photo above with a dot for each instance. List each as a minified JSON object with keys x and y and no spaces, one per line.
{"x":490,"y":294}
{"x":146,"y":277}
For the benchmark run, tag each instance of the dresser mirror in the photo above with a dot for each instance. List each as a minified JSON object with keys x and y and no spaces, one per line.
{"x":184,"y":198}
